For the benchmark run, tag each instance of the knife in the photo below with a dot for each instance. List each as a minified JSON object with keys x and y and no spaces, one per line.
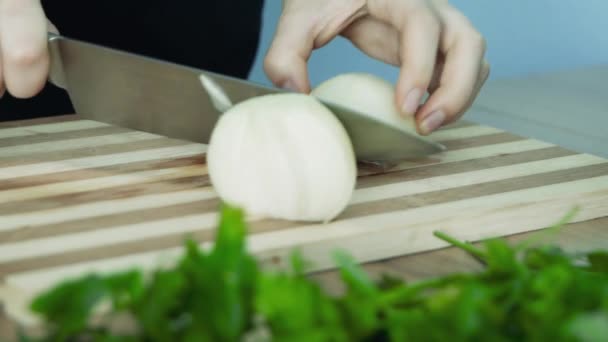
{"x":160,"y":97}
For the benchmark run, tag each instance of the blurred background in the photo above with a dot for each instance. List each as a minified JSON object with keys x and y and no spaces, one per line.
{"x":532,"y":46}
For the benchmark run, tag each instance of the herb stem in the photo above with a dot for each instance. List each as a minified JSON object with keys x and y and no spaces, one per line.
{"x":462,"y":245}
{"x":402,"y":293}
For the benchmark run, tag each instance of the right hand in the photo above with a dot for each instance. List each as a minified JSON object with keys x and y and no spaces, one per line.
{"x":24,"y":55}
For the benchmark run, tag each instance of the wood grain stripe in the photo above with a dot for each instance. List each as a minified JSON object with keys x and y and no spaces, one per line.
{"x":405,"y":203}
{"x":111,"y":193}
{"x":464,"y":155}
{"x":115,"y":235}
{"x":40,"y":168}
{"x":99,"y":183}
{"x":439,"y":183}
{"x":95,"y":142}
{"x":64,"y":194}
{"x":18,"y":129}
{"x":102,"y":171}
{"x":136,"y":216}
{"x":473,"y":190}
{"x":58,"y":198}
{"x":102,"y":208}
{"x":463,"y":166}
{"x":408,"y":232}
{"x":47,"y":137}
{"x":143,"y":153}
{"x":86,"y":224}
{"x":470,"y":192}
{"x":60,"y":244}
{"x":50,"y":203}
{"x":75,"y":193}
{"x":41,"y":121}
{"x":29,"y":160}
{"x":71,"y":148}
{"x":449,"y":216}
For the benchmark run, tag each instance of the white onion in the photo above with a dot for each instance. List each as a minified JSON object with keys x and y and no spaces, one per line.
{"x":283,"y":156}
{"x":366,"y":93}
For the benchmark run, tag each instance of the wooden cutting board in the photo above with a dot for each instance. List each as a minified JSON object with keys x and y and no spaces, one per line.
{"x":79,"y":196}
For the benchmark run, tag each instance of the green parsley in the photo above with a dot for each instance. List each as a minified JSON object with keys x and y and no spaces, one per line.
{"x":523,"y":293}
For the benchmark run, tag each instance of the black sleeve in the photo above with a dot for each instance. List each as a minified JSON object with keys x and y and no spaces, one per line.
{"x":220,"y":36}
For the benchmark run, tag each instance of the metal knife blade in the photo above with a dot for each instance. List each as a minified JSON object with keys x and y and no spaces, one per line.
{"x":164,"y":98}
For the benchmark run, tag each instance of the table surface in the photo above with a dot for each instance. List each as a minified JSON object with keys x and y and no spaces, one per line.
{"x":580,"y":236}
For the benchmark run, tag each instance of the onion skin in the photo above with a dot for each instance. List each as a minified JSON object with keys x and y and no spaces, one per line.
{"x":283,"y":156}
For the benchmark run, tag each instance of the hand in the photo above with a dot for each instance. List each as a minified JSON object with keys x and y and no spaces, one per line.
{"x":438,"y":50}
{"x":24,"y":57}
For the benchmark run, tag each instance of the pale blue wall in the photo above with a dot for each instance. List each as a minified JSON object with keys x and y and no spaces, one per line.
{"x":524,"y":36}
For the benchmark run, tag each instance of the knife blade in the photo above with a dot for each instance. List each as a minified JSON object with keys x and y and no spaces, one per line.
{"x":160,"y":97}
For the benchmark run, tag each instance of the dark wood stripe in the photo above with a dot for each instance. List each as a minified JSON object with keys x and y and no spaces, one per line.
{"x":104,"y":252}
{"x":100,"y":172}
{"x":455,"y":194}
{"x":58,"y":136}
{"x":370,"y":169}
{"x":39,"y":121}
{"x":364,"y":182}
{"x":41,"y":157}
{"x":113,"y":170}
{"x":462,"y":166}
{"x":107,"y":194}
{"x":360,"y":210}
{"x":475,"y":190}
{"x":105,"y":222}
{"x":483,"y":140}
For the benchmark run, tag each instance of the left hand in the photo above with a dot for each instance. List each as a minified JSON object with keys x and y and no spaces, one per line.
{"x":438,"y":50}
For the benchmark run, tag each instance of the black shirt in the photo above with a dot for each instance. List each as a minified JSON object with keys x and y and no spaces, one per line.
{"x":220,"y":36}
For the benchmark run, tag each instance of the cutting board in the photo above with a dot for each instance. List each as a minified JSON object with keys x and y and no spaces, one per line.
{"x":79,"y":196}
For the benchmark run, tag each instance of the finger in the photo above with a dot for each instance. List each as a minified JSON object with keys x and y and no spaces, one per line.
{"x":50,"y":27}
{"x":436,"y":79}
{"x":483,"y":77}
{"x":419,"y":43}
{"x":375,"y":38}
{"x":23,"y":42}
{"x":459,"y":78}
{"x":286,"y":60}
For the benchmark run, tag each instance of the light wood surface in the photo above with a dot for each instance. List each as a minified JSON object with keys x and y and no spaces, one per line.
{"x":79,"y":196}
{"x":575,"y":237}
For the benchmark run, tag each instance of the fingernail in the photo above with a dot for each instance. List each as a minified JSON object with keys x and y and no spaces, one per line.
{"x":432,"y":122}
{"x":411,"y":102}
{"x":289,"y":85}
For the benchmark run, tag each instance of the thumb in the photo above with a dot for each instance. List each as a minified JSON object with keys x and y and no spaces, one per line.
{"x":51,"y":27}
{"x":285,"y":63}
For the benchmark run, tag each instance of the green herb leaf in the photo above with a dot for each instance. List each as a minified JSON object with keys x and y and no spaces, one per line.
{"x":598,"y":261}
{"x":523,"y":293}
{"x":67,"y":306}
